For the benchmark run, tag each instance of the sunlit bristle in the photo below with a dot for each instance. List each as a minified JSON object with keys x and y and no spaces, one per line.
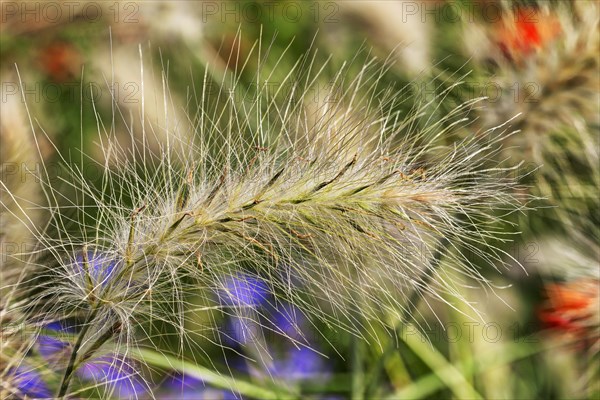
{"x":339,"y":209}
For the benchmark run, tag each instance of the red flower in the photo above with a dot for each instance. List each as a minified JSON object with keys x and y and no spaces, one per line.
{"x":572,"y":308}
{"x":60,"y":61}
{"x":525,"y":31}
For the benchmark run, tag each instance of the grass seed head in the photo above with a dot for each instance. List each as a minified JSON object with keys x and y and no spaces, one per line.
{"x":345,"y":229}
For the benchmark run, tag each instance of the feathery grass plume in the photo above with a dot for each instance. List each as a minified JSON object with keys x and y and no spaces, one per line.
{"x":14,"y":346}
{"x":20,"y":215}
{"x":345,"y":231}
{"x":20,"y":191}
{"x":543,"y":61}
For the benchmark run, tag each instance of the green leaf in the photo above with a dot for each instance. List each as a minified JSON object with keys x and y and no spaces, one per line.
{"x":207,"y":375}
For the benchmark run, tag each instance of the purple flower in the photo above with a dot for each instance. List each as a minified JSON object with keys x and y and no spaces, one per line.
{"x":30,"y":383}
{"x":290,"y":362}
{"x":289,"y":321}
{"x":240,"y":330}
{"x":116,"y":374}
{"x":244,"y":290}
{"x":101,"y":268}
{"x":301,"y":363}
{"x":297,"y":362}
{"x":51,"y":348}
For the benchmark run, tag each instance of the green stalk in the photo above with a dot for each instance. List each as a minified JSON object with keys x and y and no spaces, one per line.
{"x":211,"y":377}
{"x":429,"y":384}
{"x":447,"y":373}
{"x":64,"y":386}
{"x":413,"y":302}
{"x":358,"y":375}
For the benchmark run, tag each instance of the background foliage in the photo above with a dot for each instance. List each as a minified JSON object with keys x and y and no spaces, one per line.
{"x":533,"y":63}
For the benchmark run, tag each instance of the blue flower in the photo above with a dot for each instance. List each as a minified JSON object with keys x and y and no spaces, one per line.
{"x":301,"y":363}
{"x":240,"y":330}
{"x":30,"y":383}
{"x":116,"y":374}
{"x":244,"y":290}
{"x":51,"y":348}
{"x":100,"y":267}
{"x":289,"y":321}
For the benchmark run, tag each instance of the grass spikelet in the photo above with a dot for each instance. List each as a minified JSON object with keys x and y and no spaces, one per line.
{"x":345,"y":229}
{"x":543,"y":60}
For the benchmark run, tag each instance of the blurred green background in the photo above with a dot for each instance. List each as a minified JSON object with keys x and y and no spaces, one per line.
{"x":537,"y":336}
